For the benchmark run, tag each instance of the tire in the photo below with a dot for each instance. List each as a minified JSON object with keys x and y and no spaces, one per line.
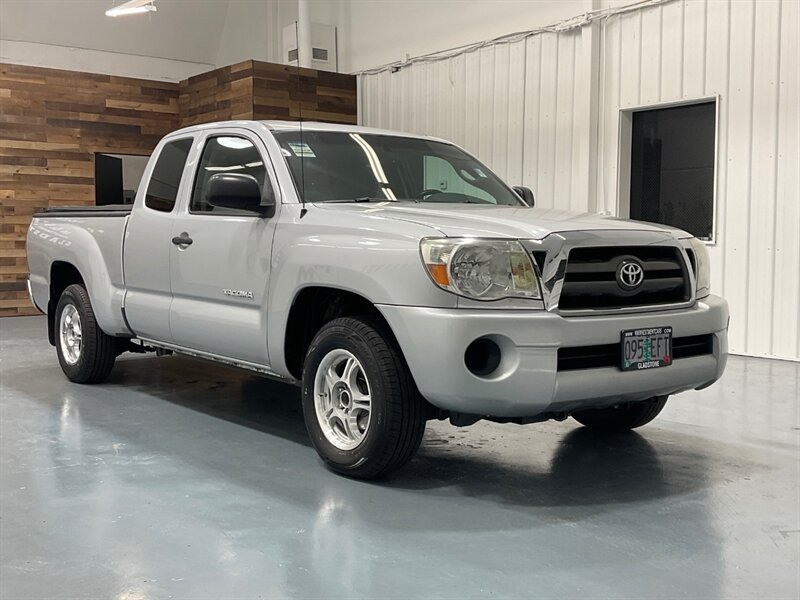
{"x":91,"y":359}
{"x":395,"y":422}
{"x":622,"y":417}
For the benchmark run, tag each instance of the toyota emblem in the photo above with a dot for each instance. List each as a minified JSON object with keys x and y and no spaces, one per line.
{"x":630,"y":275}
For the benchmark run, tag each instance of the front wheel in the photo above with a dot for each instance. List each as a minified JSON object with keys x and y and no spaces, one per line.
{"x":86,"y":353}
{"x":621,"y":417}
{"x":362,"y":409}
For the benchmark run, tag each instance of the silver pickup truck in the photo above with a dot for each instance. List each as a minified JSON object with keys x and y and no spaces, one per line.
{"x":394,"y":277}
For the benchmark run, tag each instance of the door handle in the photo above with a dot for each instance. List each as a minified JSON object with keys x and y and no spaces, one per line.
{"x":182,"y":240}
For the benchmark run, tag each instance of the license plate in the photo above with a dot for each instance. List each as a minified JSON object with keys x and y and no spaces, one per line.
{"x":647,"y":348}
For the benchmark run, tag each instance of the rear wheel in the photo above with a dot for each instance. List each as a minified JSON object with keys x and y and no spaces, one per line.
{"x":621,"y":417}
{"x":362,"y":410}
{"x":86,"y":354}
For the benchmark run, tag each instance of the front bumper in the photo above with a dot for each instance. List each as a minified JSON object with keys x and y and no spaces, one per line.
{"x":528,"y":382}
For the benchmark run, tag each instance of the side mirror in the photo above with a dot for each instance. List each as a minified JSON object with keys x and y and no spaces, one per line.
{"x":526,"y":194}
{"x":239,"y":191}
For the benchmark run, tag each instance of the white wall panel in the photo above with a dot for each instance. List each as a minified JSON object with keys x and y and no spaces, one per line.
{"x":785,"y":296}
{"x":715,"y":38}
{"x":745,"y":52}
{"x":547,"y":112}
{"x":376,"y":32}
{"x":763,"y":198}
{"x":546,"y":104}
{"x":477,"y":100}
{"x":735,"y":221}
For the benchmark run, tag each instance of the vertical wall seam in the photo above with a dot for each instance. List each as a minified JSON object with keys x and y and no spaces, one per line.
{"x":524,"y":110}
{"x":750,"y":125}
{"x":775,"y":203}
{"x":464,"y":93}
{"x":600,"y":130}
{"x":555,"y":135}
{"x":615,"y":132}
{"x":683,"y":49}
{"x":478,"y":118}
{"x":539,"y":112}
{"x":639,"y":86}
{"x":722,"y":207}
{"x":595,"y":101}
{"x":493,"y":103}
{"x":661,"y":85}
{"x":572,"y":123}
{"x":705,"y":46}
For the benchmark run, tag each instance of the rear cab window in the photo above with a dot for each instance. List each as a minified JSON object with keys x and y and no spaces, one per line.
{"x":162,"y":189}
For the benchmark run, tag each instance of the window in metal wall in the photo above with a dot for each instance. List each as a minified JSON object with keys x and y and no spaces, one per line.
{"x":672,"y":167}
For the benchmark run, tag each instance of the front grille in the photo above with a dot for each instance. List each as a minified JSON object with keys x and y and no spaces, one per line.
{"x":692,"y":260}
{"x":609,"y":355}
{"x":590,"y":281}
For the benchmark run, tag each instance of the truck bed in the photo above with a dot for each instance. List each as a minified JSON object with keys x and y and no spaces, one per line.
{"x":108,"y":210}
{"x":90,"y":239}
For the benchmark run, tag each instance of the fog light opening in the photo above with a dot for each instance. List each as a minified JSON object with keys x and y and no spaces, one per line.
{"x":482,"y":357}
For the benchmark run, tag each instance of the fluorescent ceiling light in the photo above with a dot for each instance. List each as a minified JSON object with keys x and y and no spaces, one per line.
{"x":231,"y":168}
{"x":131,"y":8}
{"x":234,"y":142}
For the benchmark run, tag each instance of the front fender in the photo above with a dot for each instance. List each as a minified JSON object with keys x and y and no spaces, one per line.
{"x":383,"y":267}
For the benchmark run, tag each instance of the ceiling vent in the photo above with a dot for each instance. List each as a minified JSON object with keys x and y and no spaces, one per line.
{"x":323,"y":46}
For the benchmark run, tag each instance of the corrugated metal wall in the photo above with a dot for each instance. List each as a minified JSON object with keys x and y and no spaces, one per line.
{"x":516,"y":106}
{"x":546,"y":112}
{"x":746,"y":53}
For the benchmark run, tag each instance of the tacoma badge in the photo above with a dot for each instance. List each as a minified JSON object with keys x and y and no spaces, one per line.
{"x":238,"y":293}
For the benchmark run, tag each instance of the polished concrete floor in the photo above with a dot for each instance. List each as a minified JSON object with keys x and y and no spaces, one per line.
{"x":181,"y":479}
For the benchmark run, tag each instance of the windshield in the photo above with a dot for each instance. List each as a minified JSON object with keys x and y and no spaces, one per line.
{"x":339,"y":166}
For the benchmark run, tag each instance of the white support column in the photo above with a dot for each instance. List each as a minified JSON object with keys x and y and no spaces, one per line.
{"x":304,"y":33}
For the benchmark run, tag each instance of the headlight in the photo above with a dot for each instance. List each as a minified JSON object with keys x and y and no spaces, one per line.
{"x":480,"y":269}
{"x":702,"y":270}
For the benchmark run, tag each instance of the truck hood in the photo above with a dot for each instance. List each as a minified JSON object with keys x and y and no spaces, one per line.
{"x":459,"y":220}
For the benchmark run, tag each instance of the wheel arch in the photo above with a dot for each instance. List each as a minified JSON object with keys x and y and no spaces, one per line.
{"x":62,"y":275}
{"x":313,"y":307}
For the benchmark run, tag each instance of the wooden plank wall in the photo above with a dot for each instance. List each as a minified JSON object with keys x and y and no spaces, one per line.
{"x":52,"y":122}
{"x":284,"y":92}
{"x":260,"y":90}
{"x":217,"y":95}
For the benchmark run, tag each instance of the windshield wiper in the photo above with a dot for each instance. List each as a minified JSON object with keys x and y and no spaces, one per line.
{"x":370,"y":199}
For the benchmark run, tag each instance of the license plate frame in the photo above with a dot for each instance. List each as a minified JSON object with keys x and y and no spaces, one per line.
{"x":639,"y":343}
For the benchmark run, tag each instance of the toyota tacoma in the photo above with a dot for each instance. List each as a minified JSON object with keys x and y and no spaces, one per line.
{"x":394,"y":277}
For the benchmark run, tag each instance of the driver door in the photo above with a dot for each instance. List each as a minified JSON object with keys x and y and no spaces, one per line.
{"x":220,"y":279}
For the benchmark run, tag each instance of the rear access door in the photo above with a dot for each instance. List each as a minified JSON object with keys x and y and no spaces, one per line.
{"x":147,"y":248}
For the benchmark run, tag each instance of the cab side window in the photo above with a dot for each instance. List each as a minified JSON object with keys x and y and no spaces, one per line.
{"x":227,"y":154}
{"x":162,"y":189}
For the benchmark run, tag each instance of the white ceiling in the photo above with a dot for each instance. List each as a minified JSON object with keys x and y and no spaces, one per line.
{"x":188,"y":30}
{"x":222,"y":32}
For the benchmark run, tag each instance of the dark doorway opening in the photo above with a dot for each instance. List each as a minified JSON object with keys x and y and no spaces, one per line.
{"x":117,"y":177}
